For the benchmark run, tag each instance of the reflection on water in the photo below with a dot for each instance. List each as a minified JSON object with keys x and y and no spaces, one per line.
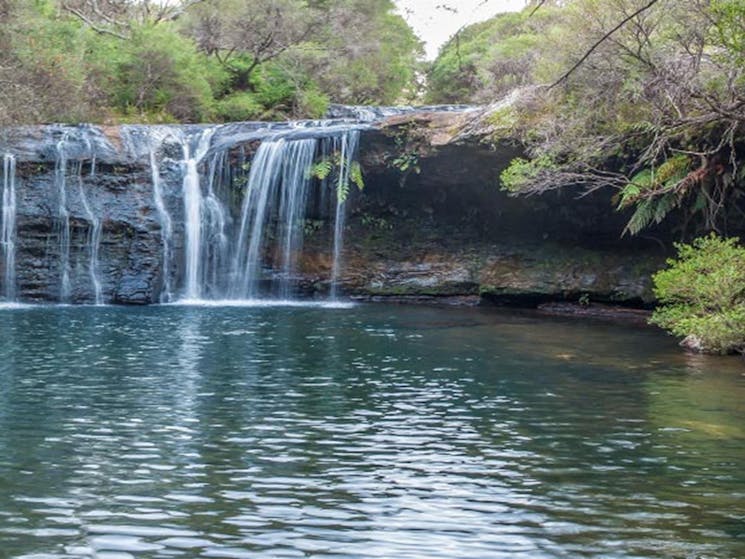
{"x":362,"y":432}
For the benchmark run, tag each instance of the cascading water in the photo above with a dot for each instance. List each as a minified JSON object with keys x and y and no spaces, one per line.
{"x":8,"y":239}
{"x":253,"y":253}
{"x":347,"y":151}
{"x":63,"y":224}
{"x":166,"y":225}
{"x":193,"y":204}
{"x":247,"y":199}
{"x":279,"y":180}
{"x":94,"y":234}
{"x":294,"y":197}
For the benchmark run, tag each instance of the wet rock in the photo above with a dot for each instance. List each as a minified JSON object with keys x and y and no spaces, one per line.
{"x":446,"y":232}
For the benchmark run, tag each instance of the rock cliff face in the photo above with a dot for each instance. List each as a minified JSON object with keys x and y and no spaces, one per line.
{"x":431,"y":221}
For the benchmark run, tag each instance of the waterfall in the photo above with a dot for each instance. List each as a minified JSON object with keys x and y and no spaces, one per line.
{"x":166,"y":226}
{"x":278,"y":182}
{"x":8,"y":239}
{"x":63,"y":224}
{"x":296,"y":179}
{"x":193,"y":203}
{"x":263,"y":178}
{"x":94,"y":235}
{"x":215,"y":219}
{"x":347,"y":152}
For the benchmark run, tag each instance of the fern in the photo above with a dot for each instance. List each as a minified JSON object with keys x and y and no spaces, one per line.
{"x":355,"y":175}
{"x":664,"y":205}
{"x":629,"y":195}
{"x":644,"y":180}
{"x":672,"y":171}
{"x":321,"y":169}
{"x":643,"y":216}
{"x":342,"y":191}
{"x":333,"y":167}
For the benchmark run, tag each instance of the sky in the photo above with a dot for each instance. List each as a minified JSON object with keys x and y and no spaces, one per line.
{"x":435,"y":21}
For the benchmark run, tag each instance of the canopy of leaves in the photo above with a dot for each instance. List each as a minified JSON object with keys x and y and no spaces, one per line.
{"x":198,"y":60}
{"x":665,"y":87}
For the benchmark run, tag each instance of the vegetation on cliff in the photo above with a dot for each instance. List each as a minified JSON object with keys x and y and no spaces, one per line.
{"x":199,"y":60}
{"x":656,"y":109}
{"x":702,"y":295}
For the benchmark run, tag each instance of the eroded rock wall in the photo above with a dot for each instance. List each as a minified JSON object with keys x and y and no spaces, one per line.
{"x":439,"y":228}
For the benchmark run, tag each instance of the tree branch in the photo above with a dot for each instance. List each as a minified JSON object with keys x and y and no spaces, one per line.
{"x":600,"y":41}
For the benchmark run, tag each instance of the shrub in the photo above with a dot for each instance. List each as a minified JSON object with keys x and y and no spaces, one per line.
{"x":155,"y":72}
{"x":238,"y":107}
{"x":702,"y":295}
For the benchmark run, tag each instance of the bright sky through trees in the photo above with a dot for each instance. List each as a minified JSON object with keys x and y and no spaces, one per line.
{"x":435,"y":21}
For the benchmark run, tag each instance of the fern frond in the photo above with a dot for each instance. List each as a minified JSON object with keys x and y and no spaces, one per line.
{"x":664,"y":205}
{"x":355,"y":175}
{"x":321,"y":169}
{"x":342,"y":191}
{"x":643,"y":216}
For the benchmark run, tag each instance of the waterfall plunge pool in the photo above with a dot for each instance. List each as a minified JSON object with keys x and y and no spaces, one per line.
{"x":371,"y":431}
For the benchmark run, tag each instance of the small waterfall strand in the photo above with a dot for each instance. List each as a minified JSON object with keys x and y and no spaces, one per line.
{"x":278,"y":182}
{"x":94,"y":235}
{"x":193,"y":203}
{"x":63,"y":225}
{"x":263,"y":179}
{"x":348,"y":146}
{"x":166,"y":225}
{"x":8,"y":239}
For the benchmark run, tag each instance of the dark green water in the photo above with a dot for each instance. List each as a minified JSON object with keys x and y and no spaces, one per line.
{"x":389,"y":432}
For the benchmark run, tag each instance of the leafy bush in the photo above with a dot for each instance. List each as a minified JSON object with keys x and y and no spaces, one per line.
{"x":157,"y":71}
{"x":521,"y":171}
{"x":702,"y":295}
{"x":239,"y":106}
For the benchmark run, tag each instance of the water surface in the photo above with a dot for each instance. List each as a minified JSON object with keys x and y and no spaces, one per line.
{"x":372,"y":431}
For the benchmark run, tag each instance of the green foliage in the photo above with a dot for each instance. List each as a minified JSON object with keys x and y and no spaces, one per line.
{"x":729,"y":27}
{"x":347,"y":177}
{"x":45,"y":61}
{"x":321,"y":169}
{"x":368,"y":54}
{"x":157,"y":71}
{"x":702,"y":294}
{"x":217,"y":60}
{"x":374,"y":222}
{"x":488,"y":59}
{"x":312,"y":226}
{"x":334,"y":168}
{"x":653,"y":111}
{"x":407,"y":161}
{"x":238,"y":106}
{"x":522,"y":172}
{"x":652,"y":193}
{"x":355,"y":175}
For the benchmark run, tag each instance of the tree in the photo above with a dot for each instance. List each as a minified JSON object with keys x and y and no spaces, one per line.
{"x":120,"y":18}
{"x":657,"y":111}
{"x":243,"y":36}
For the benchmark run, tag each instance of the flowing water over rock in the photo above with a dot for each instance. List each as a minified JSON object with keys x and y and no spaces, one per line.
{"x":233,"y":229}
{"x":166,"y":223}
{"x":63,"y":216}
{"x":272,"y":432}
{"x":8,"y":238}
